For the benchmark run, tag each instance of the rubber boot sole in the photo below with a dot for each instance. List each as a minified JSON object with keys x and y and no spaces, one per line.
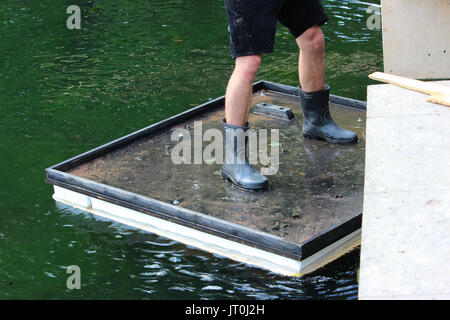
{"x":240,"y":186}
{"x":329,"y":139}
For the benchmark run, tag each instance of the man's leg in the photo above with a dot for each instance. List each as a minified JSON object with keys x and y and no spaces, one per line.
{"x":252,"y":28}
{"x":237,"y":104}
{"x":314,"y":94}
{"x":311,"y":64}
{"x":239,"y":90}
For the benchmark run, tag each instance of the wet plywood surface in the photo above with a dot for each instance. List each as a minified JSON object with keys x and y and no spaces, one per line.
{"x":317,"y":186}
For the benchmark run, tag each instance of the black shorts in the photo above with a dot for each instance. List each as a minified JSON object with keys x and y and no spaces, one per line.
{"x":252,"y":23}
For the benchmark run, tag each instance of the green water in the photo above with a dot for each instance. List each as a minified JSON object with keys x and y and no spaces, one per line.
{"x":132,"y":64}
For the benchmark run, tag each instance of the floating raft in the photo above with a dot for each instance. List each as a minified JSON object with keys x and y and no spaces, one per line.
{"x":310,"y":215}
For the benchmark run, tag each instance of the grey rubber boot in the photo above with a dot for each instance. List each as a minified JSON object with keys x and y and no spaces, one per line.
{"x":236,"y":167}
{"x":317,"y":121}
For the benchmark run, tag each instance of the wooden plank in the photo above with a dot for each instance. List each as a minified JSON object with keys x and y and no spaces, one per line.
{"x":438,"y":93}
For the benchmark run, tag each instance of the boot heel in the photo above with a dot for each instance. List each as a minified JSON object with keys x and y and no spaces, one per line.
{"x":225,"y":176}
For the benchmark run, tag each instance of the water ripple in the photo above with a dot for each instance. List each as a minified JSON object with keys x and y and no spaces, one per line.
{"x":135,"y":63}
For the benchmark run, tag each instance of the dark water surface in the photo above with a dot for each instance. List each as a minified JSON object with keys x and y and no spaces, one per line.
{"x":132,"y":64}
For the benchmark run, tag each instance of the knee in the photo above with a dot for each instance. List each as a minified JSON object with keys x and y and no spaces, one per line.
{"x":312,"y":41}
{"x":248,"y":66}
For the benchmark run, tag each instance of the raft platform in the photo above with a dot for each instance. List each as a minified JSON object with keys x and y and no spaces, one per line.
{"x":310,"y":215}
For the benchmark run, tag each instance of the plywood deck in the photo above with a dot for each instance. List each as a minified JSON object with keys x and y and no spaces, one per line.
{"x":318,"y":185}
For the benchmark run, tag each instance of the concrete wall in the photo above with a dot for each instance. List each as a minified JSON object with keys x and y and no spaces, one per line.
{"x":416,"y":38}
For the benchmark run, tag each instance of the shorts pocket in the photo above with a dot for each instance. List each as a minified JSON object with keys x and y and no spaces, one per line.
{"x":239,"y":35}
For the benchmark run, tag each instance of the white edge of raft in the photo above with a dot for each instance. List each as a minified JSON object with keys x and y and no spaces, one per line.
{"x":207,"y":242}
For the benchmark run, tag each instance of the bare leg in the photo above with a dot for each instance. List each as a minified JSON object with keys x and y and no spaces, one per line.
{"x":311,"y":65}
{"x":239,"y":90}
{"x":237,"y":104}
{"x":314,"y":96}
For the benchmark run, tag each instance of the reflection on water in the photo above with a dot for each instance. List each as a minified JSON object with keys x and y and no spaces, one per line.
{"x":134,"y":63}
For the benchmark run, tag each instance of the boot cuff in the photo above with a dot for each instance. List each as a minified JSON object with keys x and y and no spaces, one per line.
{"x":326,"y":89}
{"x":230,"y":126}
